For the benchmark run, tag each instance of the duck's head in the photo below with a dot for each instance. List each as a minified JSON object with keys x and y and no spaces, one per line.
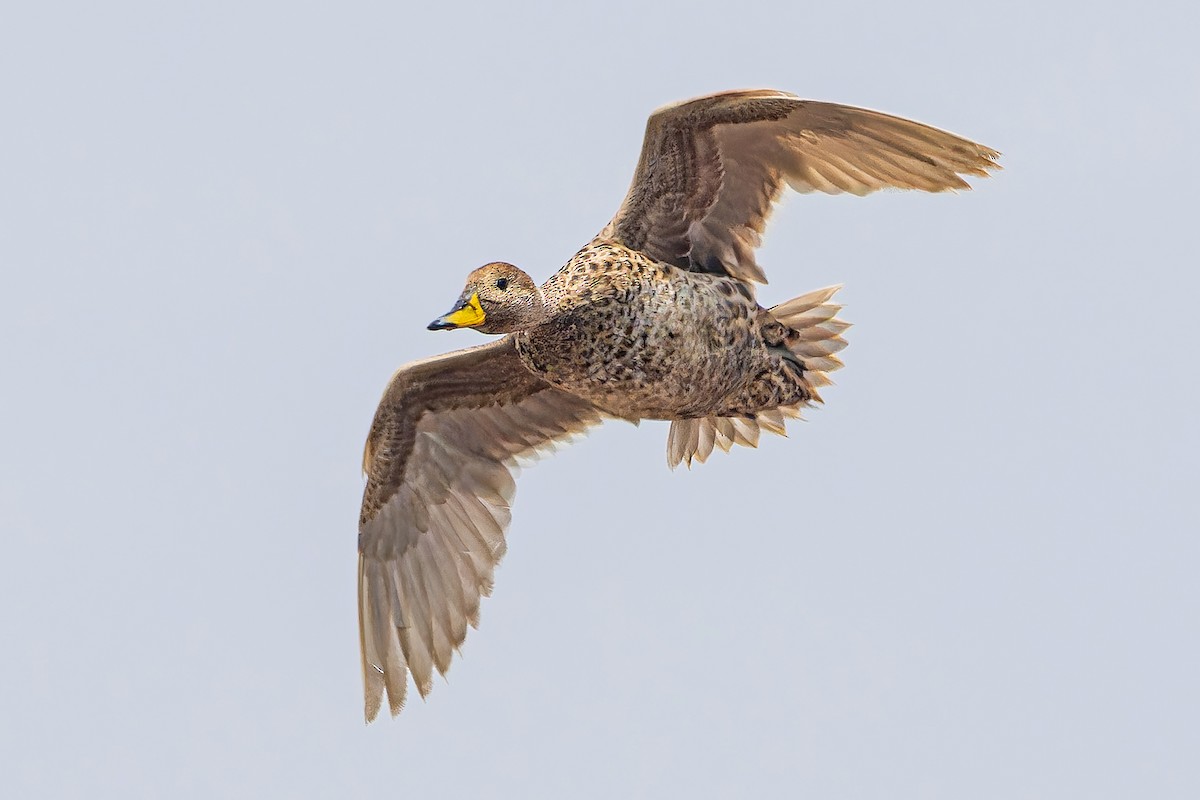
{"x":498,"y":298}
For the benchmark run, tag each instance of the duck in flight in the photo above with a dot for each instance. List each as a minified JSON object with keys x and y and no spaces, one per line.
{"x":655,"y":318}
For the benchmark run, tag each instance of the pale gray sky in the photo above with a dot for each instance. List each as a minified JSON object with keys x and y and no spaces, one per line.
{"x":972,"y":575}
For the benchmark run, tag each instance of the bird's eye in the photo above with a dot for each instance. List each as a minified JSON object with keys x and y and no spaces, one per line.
{"x":502,"y":284}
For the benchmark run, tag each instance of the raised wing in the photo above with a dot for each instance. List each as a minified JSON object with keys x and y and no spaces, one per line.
{"x":711,"y":169}
{"x":439,"y":483}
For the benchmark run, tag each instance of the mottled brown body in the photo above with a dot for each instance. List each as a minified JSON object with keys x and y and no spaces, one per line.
{"x":646,"y":340}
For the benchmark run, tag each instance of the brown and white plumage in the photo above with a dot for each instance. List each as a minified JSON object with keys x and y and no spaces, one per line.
{"x":654,"y":319}
{"x":816,"y":335}
{"x":439,"y":461}
{"x":712,"y":167}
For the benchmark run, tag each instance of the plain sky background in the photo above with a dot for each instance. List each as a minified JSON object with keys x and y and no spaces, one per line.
{"x":972,"y":575}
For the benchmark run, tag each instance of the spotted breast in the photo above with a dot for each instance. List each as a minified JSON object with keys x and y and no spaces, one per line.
{"x":644,"y":339}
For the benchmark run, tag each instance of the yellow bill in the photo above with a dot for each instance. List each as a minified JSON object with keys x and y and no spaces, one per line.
{"x":467,"y":314}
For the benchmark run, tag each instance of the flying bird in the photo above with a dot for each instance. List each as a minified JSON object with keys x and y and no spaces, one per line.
{"x":655,"y":318}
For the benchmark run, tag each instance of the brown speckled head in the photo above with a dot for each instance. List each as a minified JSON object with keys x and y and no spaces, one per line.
{"x":498,"y":298}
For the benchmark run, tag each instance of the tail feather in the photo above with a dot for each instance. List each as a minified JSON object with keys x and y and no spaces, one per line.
{"x":694,"y":439}
{"x":814,"y":337}
{"x":816,"y":332}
